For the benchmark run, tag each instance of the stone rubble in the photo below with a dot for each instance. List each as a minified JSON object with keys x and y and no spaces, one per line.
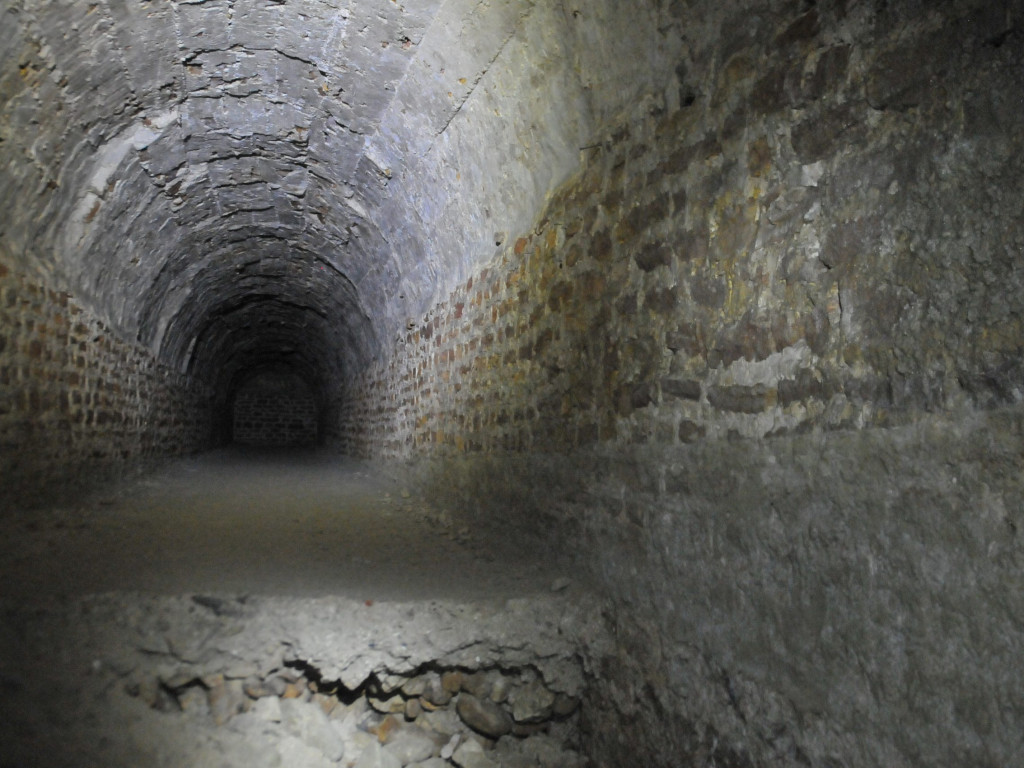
{"x":372,"y":726}
{"x":298,"y":699}
{"x":471,"y":729}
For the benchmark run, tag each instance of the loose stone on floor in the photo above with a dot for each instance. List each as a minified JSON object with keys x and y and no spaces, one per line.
{"x":267,"y":682}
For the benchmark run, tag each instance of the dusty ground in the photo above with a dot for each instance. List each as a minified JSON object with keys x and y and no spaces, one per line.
{"x":136,"y":625}
{"x":263,"y":523}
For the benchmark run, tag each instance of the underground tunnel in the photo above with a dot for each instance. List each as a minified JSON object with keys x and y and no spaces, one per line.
{"x":516,"y":383}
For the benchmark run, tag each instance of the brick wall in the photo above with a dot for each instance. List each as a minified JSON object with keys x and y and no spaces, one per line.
{"x":79,"y":406}
{"x":275,"y":409}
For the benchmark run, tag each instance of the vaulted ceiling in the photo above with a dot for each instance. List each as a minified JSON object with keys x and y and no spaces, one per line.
{"x":242,"y":182}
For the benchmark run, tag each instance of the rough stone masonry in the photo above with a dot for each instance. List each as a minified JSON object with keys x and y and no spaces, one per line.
{"x":723,"y":297}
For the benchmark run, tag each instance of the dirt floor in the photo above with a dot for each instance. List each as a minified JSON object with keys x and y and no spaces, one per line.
{"x":247,"y":521}
{"x":253,"y":608}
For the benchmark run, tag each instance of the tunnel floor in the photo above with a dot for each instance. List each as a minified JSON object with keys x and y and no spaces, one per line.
{"x":267,"y":522}
{"x":264,"y":608}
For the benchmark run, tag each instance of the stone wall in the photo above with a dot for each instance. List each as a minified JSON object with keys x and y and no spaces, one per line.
{"x":275,"y":408}
{"x":850,"y":598}
{"x":759,"y":365}
{"x":78,"y":405}
{"x":816,"y":242}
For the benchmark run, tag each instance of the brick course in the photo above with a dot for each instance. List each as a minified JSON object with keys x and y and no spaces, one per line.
{"x":78,"y":405}
{"x":275,"y":409}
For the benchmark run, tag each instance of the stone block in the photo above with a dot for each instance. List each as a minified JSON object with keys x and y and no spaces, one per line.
{"x":851,"y":241}
{"x":653,"y":255}
{"x":741,"y":399}
{"x":681,"y":389}
{"x":821,"y":135}
{"x":829,"y":75}
{"x":680,"y":160}
{"x":690,"y":432}
{"x":773,"y":91}
{"x":907,"y":75}
{"x":661,"y":301}
{"x":484,"y":716}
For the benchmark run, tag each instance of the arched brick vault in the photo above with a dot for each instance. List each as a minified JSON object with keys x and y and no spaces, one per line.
{"x":235,"y":180}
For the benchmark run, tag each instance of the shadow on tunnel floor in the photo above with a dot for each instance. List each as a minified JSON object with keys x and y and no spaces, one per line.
{"x":268,"y":521}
